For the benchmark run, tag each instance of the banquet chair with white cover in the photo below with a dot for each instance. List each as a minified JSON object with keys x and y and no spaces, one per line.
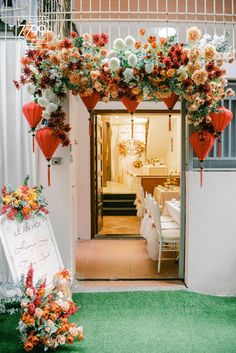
{"x":146,"y":221}
{"x":139,"y":202}
{"x":168,"y":235}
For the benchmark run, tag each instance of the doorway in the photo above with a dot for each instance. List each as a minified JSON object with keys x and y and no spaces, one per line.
{"x":114,"y":180}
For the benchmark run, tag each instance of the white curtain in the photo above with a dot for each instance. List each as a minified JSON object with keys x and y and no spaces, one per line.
{"x":16,"y":157}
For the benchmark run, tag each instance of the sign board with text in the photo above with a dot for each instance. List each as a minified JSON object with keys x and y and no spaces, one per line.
{"x":30,"y":242}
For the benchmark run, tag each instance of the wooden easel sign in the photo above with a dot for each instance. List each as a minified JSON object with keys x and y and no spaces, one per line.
{"x":30,"y":242}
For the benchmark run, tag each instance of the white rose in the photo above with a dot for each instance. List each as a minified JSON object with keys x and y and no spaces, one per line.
{"x":207,"y":36}
{"x":119,"y":44}
{"x":114,"y":64}
{"x":30,"y":89}
{"x":128,"y":74}
{"x":129,"y":42}
{"x":61,"y":339}
{"x":127,"y":53}
{"x":112,"y":54}
{"x":43,"y":102}
{"x":52,"y":107}
{"x":73,"y":331}
{"x":50,"y":323}
{"x":65,"y":306}
{"x":29,"y":292}
{"x":149,"y":68}
{"x":132,"y":60}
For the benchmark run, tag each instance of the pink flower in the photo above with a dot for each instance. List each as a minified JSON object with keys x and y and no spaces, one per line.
{"x":29,"y":292}
{"x":38,"y":313}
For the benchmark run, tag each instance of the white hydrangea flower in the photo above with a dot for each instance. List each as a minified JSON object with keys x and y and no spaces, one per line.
{"x":119,"y":44}
{"x":129,"y":42}
{"x":149,"y":68}
{"x":52,"y":107}
{"x":43,"y":101}
{"x":114,"y":64}
{"x":112,"y":54}
{"x":132,"y":60}
{"x":31,"y":89}
{"x":128,"y":74}
{"x":207,"y":36}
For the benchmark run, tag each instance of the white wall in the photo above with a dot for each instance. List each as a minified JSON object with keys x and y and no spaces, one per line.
{"x":211,"y":233}
{"x":81,"y":167}
{"x":59,"y":200}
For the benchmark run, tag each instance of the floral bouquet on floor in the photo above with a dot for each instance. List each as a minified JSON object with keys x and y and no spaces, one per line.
{"x":44,"y":315}
{"x":23,"y":203}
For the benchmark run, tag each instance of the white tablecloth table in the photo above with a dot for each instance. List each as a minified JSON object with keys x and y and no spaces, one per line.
{"x":172,"y":208}
{"x":161,"y":195}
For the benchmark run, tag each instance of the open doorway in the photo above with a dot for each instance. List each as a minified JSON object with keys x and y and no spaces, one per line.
{"x":119,"y":167}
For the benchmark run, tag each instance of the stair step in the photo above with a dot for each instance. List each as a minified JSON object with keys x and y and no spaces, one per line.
{"x":119,"y":196}
{"x":119,"y":212}
{"x":118,"y":203}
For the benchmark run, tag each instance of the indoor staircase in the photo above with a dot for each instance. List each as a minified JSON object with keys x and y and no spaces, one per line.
{"x":119,"y":205}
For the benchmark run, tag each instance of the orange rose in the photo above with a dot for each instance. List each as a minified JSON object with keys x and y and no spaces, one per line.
{"x":135,"y":90}
{"x":142,"y":32}
{"x":54,"y":60}
{"x":145,"y":46}
{"x":171,"y":72}
{"x":151,"y":39}
{"x":138,"y":45}
{"x":163,"y":41}
{"x":70,"y":339}
{"x":28,"y":346}
{"x":28,"y":319}
{"x":103,"y":52}
{"x":34,"y":340}
{"x":26,"y":210}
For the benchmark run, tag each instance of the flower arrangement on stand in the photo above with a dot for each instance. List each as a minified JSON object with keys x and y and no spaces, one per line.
{"x":23,"y":202}
{"x":45,"y":316}
{"x":138,"y":163}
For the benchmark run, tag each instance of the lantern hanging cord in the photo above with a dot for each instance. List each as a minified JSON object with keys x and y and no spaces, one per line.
{"x":49,"y":172}
{"x":201,"y":173}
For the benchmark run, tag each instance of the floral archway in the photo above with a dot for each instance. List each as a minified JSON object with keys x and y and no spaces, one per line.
{"x":133,"y":71}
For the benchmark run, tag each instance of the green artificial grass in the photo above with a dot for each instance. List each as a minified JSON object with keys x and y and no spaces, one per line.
{"x":145,"y":322}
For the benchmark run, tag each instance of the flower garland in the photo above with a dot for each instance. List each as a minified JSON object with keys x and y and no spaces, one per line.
{"x":148,"y":69}
{"x":44,"y":316}
{"x":23,"y":203}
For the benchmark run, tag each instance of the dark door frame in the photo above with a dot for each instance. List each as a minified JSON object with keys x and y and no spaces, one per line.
{"x":184,"y":149}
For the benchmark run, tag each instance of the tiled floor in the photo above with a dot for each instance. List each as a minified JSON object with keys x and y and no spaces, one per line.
{"x":120,"y":259}
{"x":125,"y":225}
{"x":116,"y":188}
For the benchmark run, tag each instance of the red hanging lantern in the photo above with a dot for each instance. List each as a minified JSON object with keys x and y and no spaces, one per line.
{"x":130,"y":104}
{"x":170,"y":103}
{"x":33,"y":113}
{"x":202,"y":142}
{"x":90,"y":101}
{"x":48,"y":144}
{"x":220,"y":120}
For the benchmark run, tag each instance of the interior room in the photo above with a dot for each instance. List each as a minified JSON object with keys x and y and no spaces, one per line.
{"x":139,"y":168}
{"x":141,"y":150}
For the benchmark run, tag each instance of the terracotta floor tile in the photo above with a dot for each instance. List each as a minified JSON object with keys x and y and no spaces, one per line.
{"x":123,"y":258}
